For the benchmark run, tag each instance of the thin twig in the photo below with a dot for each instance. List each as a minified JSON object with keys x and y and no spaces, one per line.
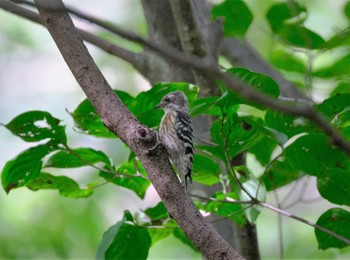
{"x":222,"y":201}
{"x":221,"y":218}
{"x":309,"y":223}
{"x":229,"y":166}
{"x":294,"y":186}
{"x":161,"y":227}
{"x":300,"y":194}
{"x":280,"y":226}
{"x":195,"y":137}
{"x":308,"y":74}
{"x":265,"y":171}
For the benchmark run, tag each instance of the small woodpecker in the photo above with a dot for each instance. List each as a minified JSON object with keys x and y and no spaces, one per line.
{"x":175,"y":133}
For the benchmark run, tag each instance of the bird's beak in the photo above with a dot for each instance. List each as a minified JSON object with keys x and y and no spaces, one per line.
{"x":160,"y":105}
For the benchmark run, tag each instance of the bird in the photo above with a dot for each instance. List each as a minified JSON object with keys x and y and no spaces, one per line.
{"x":176,"y":134}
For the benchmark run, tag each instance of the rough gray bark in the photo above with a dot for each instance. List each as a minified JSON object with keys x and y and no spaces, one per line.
{"x":193,"y":44}
{"x":140,"y":139}
{"x":161,"y":30}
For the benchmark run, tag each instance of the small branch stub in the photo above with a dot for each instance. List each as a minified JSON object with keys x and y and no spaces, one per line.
{"x":147,"y":138}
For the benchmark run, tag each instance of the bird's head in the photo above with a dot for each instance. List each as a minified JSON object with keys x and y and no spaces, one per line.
{"x":174,"y":100}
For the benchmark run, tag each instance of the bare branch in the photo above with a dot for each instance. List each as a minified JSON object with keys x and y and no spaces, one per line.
{"x":131,"y":57}
{"x":241,"y":53}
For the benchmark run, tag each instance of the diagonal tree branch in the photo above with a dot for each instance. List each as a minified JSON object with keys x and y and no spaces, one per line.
{"x":241,"y":53}
{"x":140,"y":139}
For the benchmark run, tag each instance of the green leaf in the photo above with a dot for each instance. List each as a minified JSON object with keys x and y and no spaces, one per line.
{"x":161,"y":232}
{"x":342,"y":119}
{"x":127,"y":99}
{"x":157,"y":213}
{"x":257,"y":81}
{"x":288,"y":62}
{"x":341,"y":38}
{"x":128,"y":216}
{"x":245,"y":133}
{"x":336,"y":220}
{"x":342,"y":88}
{"x":286,"y":20}
{"x":131,"y":242}
{"x":346,"y":132}
{"x":107,"y":239}
{"x":264,"y":148}
{"x":66,"y":186}
{"x":33,"y":126}
{"x":205,"y":170}
{"x":158,"y":234}
{"x":336,"y":69}
{"x":215,"y":151}
{"x":332,"y":106}
{"x":288,"y":125}
{"x":260,"y":82}
{"x":337,"y":109}
{"x":226,"y":104}
{"x":124,"y":241}
{"x":314,"y":154}
{"x":334,"y":186}
{"x":347,"y":10}
{"x":218,"y":132}
{"x":76,"y":158}
{"x":225,"y":209}
{"x":137,"y":184}
{"x":87,"y":120}
{"x":205,"y":106}
{"x":300,"y":36}
{"x":25,"y":167}
{"x":237,"y":17}
{"x":235,"y":134}
{"x":281,"y":13}
{"x":279,"y":174}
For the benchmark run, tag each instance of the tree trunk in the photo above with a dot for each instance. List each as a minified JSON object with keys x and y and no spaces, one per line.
{"x":160,"y":21}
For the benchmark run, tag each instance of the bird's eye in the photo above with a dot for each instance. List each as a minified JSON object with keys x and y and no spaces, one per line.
{"x":167,"y":99}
